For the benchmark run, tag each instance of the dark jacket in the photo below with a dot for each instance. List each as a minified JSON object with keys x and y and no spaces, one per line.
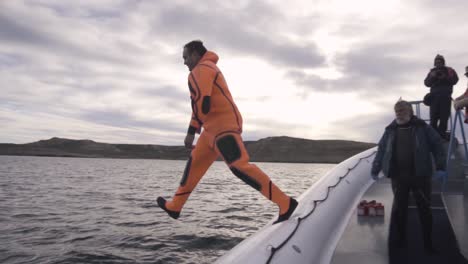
{"x":443,"y":82}
{"x":426,"y":141}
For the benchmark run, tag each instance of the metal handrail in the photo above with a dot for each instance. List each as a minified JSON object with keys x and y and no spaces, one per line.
{"x":458,"y":115}
{"x":418,"y":111}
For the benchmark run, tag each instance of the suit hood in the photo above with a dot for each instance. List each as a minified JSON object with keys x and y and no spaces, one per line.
{"x":209,"y":56}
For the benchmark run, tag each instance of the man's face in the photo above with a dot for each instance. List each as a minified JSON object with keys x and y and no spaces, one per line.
{"x":402,"y":114}
{"x":190,"y":59}
{"x":438,"y":63}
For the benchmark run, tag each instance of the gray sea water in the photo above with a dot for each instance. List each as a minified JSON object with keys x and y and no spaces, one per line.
{"x":72,"y":210}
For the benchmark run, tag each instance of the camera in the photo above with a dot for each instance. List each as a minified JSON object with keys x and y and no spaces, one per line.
{"x":440,"y":74}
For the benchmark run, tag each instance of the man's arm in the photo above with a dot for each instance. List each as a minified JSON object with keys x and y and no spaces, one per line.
{"x":452,"y":76}
{"x":430,"y":78}
{"x":188,"y":142}
{"x":201,"y":84}
{"x":195,"y":123}
{"x":202,"y":79}
{"x":436,"y":147}
{"x":377,"y":163}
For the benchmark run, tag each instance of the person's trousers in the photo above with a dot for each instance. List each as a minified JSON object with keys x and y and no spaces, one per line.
{"x":440,"y":112}
{"x":421,"y":189}
{"x":231,"y":148}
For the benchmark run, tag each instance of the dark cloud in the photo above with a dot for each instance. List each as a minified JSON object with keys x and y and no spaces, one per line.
{"x":311,"y":82}
{"x":366,"y":69}
{"x":67,"y":59}
{"x":244,"y":31}
{"x":10,"y":60}
{"x":383,"y":61}
{"x":26,"y":35}
{"x":13,"y":31}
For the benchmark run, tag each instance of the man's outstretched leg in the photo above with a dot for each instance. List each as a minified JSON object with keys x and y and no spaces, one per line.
{"x":231,"y":147}
{"x":200,"y":160}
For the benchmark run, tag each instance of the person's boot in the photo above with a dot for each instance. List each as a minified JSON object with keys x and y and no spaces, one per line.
{"x":292,"y":206}
{"x":162,"y":204}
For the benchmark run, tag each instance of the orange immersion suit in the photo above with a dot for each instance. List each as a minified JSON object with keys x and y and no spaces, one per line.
{"x":214,"y":109}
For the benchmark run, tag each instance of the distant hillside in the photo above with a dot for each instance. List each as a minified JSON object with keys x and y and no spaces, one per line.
{"x":288,"y":149}
{"x":272,"y":149}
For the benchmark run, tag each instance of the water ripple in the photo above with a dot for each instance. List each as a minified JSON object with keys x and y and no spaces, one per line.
{"x":69,"y":210}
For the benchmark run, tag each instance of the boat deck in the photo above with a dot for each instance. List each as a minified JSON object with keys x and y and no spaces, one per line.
{"x":457,"y":207}
{"x":365,"y":238}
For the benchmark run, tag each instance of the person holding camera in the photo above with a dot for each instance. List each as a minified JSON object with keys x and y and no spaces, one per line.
{"x":441,"y":80}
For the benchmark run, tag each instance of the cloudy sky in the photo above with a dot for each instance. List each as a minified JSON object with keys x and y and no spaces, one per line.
{"x":112,"y":71}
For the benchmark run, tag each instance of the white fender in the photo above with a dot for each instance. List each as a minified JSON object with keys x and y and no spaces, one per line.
{"x":313,"y":231}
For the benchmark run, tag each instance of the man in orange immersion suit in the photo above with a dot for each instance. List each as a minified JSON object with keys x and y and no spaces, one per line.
{"x":214,"y":109}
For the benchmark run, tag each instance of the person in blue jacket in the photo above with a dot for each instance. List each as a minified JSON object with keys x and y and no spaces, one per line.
{"x":404,"y":156}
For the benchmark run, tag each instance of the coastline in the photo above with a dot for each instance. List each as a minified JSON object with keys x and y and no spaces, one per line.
{"x":271,"y":149}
